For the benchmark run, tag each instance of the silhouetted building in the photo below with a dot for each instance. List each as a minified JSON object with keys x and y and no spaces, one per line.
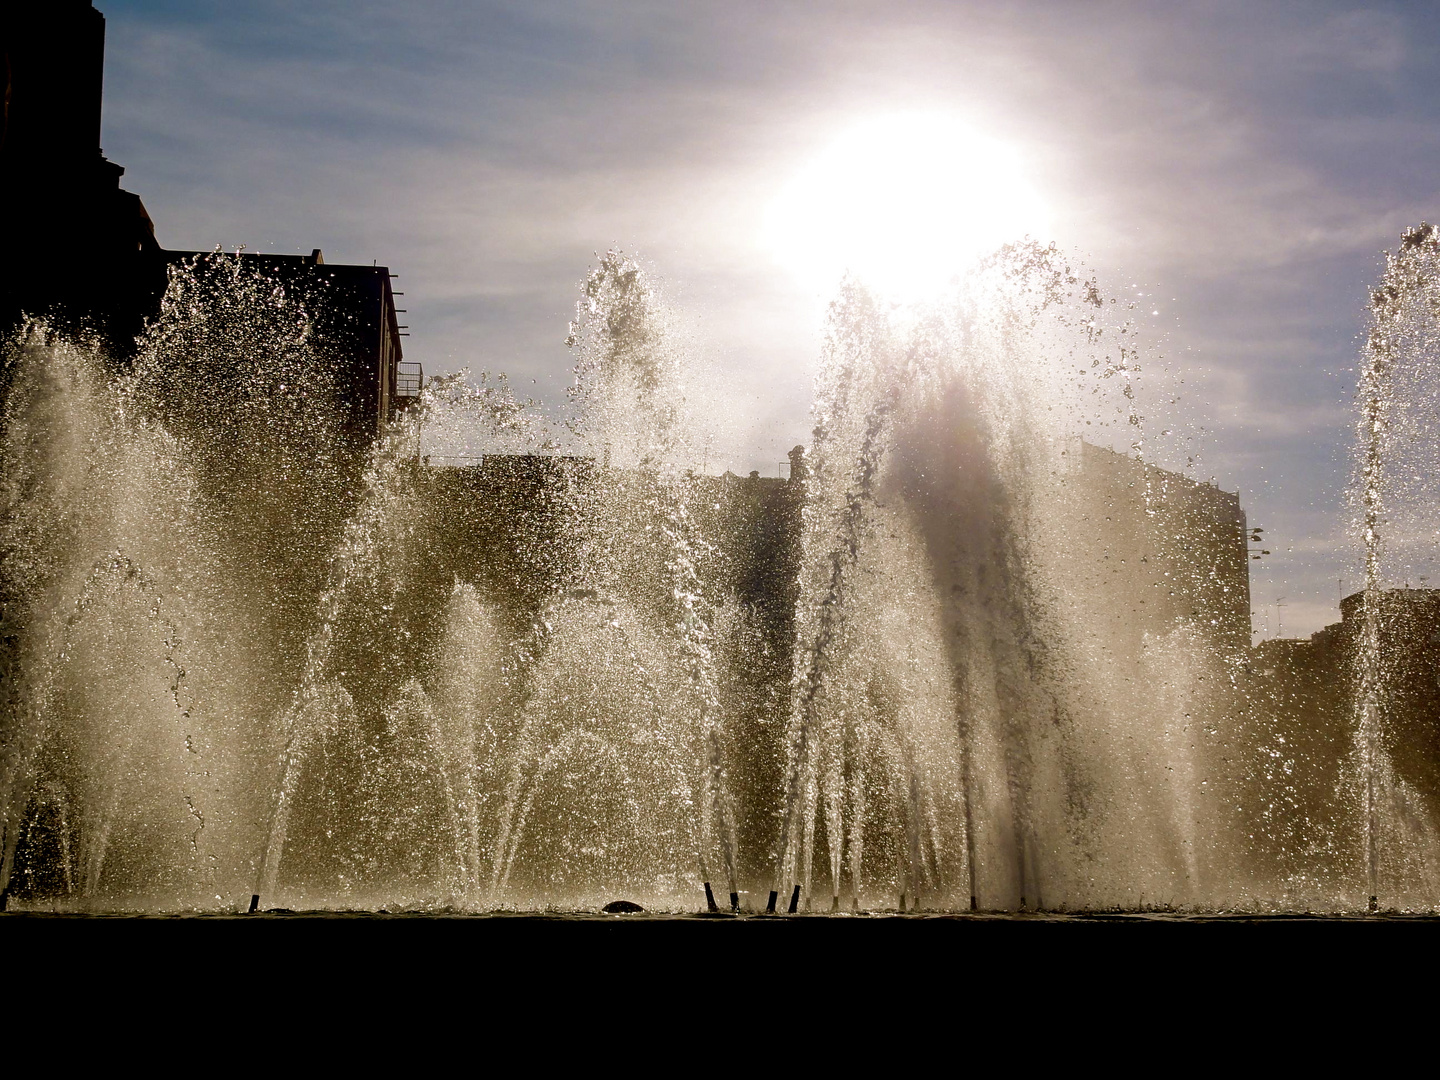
{"x":354,"y":324}
{"x":1166,"y":548}
{"x":1300,"y":698}
{"x":76,"y":246}
{"x":1408,"y":676}
{"x":82,"y":253}
{"x":1315,"y":682}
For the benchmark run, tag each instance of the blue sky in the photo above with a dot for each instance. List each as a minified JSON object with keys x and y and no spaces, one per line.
{"x":1250,"y":161}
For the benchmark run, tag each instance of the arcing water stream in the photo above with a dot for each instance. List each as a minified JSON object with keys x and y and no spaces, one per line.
{"x":962,"y":658}
{"x":1399,"y":421}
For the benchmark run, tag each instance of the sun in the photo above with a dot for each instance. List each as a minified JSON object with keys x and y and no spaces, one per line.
{"x":904,"y":203}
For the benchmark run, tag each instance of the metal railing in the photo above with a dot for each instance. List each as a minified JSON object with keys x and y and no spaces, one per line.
{"x":409,"y":377}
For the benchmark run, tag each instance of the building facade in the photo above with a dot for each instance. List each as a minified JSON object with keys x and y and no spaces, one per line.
{"x":81,"y":253}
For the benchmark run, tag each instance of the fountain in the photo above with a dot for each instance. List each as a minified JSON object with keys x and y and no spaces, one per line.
{"x":966,"y":728}
{"x":253,"y":661}
{"x":268,"y":642}
{"x":966,"y":657}
{"x":1395,"y":457}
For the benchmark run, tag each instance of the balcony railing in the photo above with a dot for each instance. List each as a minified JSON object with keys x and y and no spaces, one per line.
{"x":409,"y":377}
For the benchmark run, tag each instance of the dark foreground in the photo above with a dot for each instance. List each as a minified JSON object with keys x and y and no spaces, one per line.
{"x":596,"y":965}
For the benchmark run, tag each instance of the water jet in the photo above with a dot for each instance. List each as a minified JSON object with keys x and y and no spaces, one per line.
{"x":264,"y":636}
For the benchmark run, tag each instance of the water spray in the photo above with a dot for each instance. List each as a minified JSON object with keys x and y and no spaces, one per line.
{"x":1388,"y":304}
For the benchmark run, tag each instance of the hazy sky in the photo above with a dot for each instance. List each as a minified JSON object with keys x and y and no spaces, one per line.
{"x":1245,"y":163}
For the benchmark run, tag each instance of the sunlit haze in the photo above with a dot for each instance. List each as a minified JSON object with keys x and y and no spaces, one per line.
{"x":904,"y":203}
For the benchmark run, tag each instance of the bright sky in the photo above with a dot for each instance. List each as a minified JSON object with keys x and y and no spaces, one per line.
{"x":1241,"y":164}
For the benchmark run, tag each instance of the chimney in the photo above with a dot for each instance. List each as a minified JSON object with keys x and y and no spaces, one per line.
{"x":799,"y":472}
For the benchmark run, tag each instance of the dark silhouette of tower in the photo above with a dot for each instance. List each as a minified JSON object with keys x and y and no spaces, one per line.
{"x":80,"y":252}
{"x":73,"y":245}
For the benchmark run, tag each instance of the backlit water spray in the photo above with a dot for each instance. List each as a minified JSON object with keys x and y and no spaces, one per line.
{"x":945,"y":719}
{"x":1398,"y":424}
{"x":976,"y":652}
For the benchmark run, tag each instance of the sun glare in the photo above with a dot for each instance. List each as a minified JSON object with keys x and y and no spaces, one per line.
{"x":904,"y":203}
